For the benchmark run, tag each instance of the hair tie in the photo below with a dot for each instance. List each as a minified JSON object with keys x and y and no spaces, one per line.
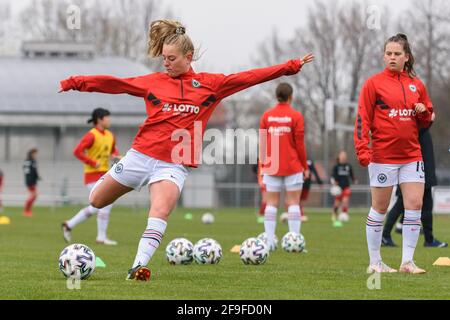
{"x":180,"y":30}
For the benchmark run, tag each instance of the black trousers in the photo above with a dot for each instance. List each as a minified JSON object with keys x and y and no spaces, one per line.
{"x":427,"y":215}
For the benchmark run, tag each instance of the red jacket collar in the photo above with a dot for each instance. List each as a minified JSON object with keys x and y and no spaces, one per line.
{"x":187,"y":75}
{"x":395,"y":73}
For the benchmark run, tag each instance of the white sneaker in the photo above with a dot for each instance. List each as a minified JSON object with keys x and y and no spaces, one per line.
{"x":107,"y":242}
{"x":380,"y":267}
{"x":66,"y":232}
{"x":410,"y":267}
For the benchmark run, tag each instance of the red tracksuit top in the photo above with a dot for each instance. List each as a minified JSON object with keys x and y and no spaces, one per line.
{"x":176,"y":103}
{"x":288,"y":125}
{"x":386,"y":109}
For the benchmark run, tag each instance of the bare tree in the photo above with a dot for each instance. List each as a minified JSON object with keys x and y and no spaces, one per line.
{"x":39,"y":20}
{"x":430,"y":35}
{"x":5,"y":18}
{"x":117,"y":27}
{"x":428,"y":28}
{"x":5,"y":15}
{"x":361,"y":55}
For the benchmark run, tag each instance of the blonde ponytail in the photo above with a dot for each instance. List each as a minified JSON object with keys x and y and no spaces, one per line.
{"x":168,"y":32}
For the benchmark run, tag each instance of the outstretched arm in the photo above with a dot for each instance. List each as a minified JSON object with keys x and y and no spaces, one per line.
{"x":230,"y":84}
{"x":105,"y":84}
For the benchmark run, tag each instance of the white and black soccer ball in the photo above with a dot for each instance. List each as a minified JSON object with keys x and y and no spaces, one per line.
{"x":180,"y":251}
{"x":207,"y":218}
{"x":254,"y":251}
{"x":343,"y":217}
{"x":77,"y":260}
{"x":207,"y":251}
{"x":274,"y":245}
{"x":293,"y":242}
{"x":335,"y":191}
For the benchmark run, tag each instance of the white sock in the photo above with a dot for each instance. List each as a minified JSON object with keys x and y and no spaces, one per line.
{"x":81,"y":216}
{"x":102,"y":222}
{"x":150,"y":241}
{"x":410,"y":233}
{"x":374,"y":232}
{"x":294,"y":221}
{"x":270,"y":223}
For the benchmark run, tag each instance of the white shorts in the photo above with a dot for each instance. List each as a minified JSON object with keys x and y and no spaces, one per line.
{"x":290,"y":183}
{"x":386,"y":175}
{"x":136,"y":170}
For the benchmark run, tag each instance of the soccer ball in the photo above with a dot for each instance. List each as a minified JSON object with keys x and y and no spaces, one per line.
{"x":293,"y":242}
{"x":254,"y":251}
{"x":207,"y":251}
{"x":207,"y":218}
{"x":77,"y":260}
{"x":179,"y":251}
{"x":336,"y":191}
{"x":344,"y":217}
{"x":284,"y":217}
{"x":274,"y":245}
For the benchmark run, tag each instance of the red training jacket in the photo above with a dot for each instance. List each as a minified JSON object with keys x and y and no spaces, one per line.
{"x":386,"y":109}
{"x":176,"y":103}
{"x":287,"y":125}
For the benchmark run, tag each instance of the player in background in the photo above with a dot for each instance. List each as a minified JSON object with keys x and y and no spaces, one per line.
{"x":95,"y":150}
{"x":307,"y":186}
{"x":393,"y":106}
{"x":179,"y":103}
{"x":342,"y":176}
{"x":286,"y":125}
{"x":31,"y":178}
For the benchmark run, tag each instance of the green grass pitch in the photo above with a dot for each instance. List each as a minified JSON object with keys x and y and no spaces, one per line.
{"x":333,"y":268}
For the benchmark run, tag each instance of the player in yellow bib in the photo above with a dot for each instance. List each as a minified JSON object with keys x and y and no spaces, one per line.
{"x":95,"y":150}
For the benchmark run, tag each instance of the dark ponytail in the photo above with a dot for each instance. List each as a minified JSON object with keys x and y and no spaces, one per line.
{"x":403,"y":40}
